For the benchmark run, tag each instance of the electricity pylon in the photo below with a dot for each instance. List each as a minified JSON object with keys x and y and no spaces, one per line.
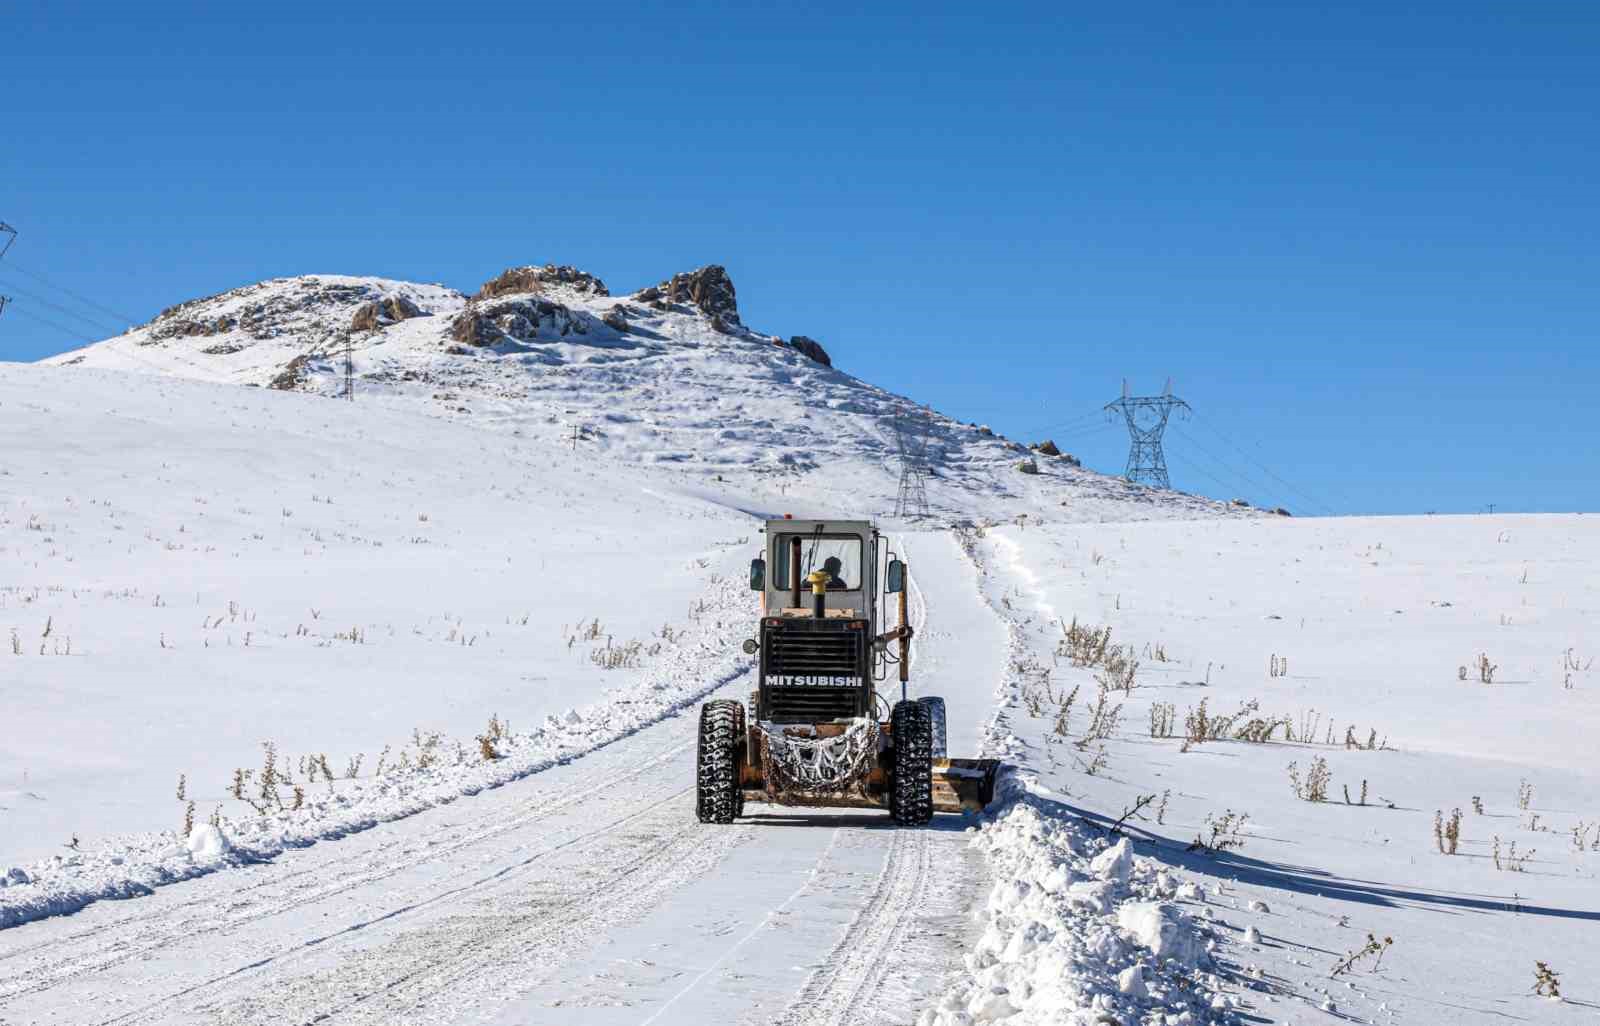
{"x":1147,"y":420}
{"x":349,"y":372}
{"x":911,"y":440}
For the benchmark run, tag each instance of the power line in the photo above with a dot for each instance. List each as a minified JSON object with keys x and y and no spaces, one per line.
{"x":126,"y":351}
{"x":59,"y":327}
{"x":1241,"y":477}
{"x":1268,"y":470}
{"x":85,"y":318}
{"x":1071,"y":422}
{"x":1226,"y":487}
{"x":122,"y":318}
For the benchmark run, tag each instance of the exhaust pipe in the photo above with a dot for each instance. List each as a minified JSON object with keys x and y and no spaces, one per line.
{"x":819,"y":593}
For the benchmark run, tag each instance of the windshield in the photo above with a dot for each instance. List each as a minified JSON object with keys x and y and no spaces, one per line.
{"x":839,"y":554}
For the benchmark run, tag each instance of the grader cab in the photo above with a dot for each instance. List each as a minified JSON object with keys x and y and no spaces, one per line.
{"x":828,"y":725}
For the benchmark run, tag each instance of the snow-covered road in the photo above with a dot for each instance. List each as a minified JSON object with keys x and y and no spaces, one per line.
{"x":584,"y":893}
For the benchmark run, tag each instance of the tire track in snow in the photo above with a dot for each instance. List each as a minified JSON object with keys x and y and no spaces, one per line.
{"x":848,"y":988}
{"x":155,"y":928}
{"x":842,"y":991}
{"x":478,"y":959}
{"x":766,"y":921}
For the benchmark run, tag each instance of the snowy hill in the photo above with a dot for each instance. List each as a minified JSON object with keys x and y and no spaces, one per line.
{"x":666,"y":375}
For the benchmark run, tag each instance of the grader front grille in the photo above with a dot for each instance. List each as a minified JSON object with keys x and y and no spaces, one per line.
{"x":813,"y":671}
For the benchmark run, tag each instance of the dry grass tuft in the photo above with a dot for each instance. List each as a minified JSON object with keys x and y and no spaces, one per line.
{"x":1447,"y":834}
{"x":1226,"y":831}
{"x":1314,"y":788}
{"x":1373,"y":949}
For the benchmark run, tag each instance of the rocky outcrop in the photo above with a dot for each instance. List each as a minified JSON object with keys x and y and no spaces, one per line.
{"x":536,"y":279}
{"x":185,"y":327}
{"x":304,"y":307}
{"x":708,"y":289}
{"x":1048,"y":448}
{"x":379,"y":313}
{"x":292,"y":375}
{"x":523,"y":319}
{"x":616,"y":319}
{"x":812,"y":348}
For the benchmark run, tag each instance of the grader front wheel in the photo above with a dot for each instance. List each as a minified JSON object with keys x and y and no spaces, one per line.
{"x":911,"y":766}
{"x":717,"y":795}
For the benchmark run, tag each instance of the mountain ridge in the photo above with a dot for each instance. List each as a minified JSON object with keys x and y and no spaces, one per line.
{"x":667,"y":374}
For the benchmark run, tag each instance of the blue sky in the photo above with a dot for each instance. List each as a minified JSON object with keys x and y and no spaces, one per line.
{"x":1360,"y":240}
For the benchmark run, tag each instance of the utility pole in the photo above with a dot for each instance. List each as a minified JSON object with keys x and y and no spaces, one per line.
{"x":1146,"y":417}
{"x":911,"y":440}
{"x":349,"y":371}
{"x":6,"y":229}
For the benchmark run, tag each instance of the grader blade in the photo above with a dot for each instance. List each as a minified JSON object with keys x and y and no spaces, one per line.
{"x":964,"y":785}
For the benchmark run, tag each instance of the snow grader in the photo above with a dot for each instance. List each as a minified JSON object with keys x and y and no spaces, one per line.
{"x":819,"y":729}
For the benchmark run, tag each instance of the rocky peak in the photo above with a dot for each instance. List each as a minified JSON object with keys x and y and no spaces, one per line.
{"x":812,"y":348}
{"x":537,"y":279}
{"x":376,"y":313}
{"x":709,"y":289}
{"x":518,"y":319}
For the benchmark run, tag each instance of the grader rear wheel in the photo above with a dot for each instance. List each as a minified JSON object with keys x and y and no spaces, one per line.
{"x":911,"y":773}
{"x":936,"y":719}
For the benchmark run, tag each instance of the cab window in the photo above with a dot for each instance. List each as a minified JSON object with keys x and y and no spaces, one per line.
{"x":819,"y":552}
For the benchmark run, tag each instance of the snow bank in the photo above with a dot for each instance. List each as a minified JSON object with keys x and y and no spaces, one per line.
{"x":207,"y":842}
{"x":1077,"y":929}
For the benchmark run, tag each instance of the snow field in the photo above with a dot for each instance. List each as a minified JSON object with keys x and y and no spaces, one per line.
{"x":194,"y":570}
{"x":1324,"y":627}
{"x":191,"y":570}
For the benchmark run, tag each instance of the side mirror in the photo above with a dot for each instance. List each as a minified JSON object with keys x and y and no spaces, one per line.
{"x":897,"y":577}
{"x":758,"y":575}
